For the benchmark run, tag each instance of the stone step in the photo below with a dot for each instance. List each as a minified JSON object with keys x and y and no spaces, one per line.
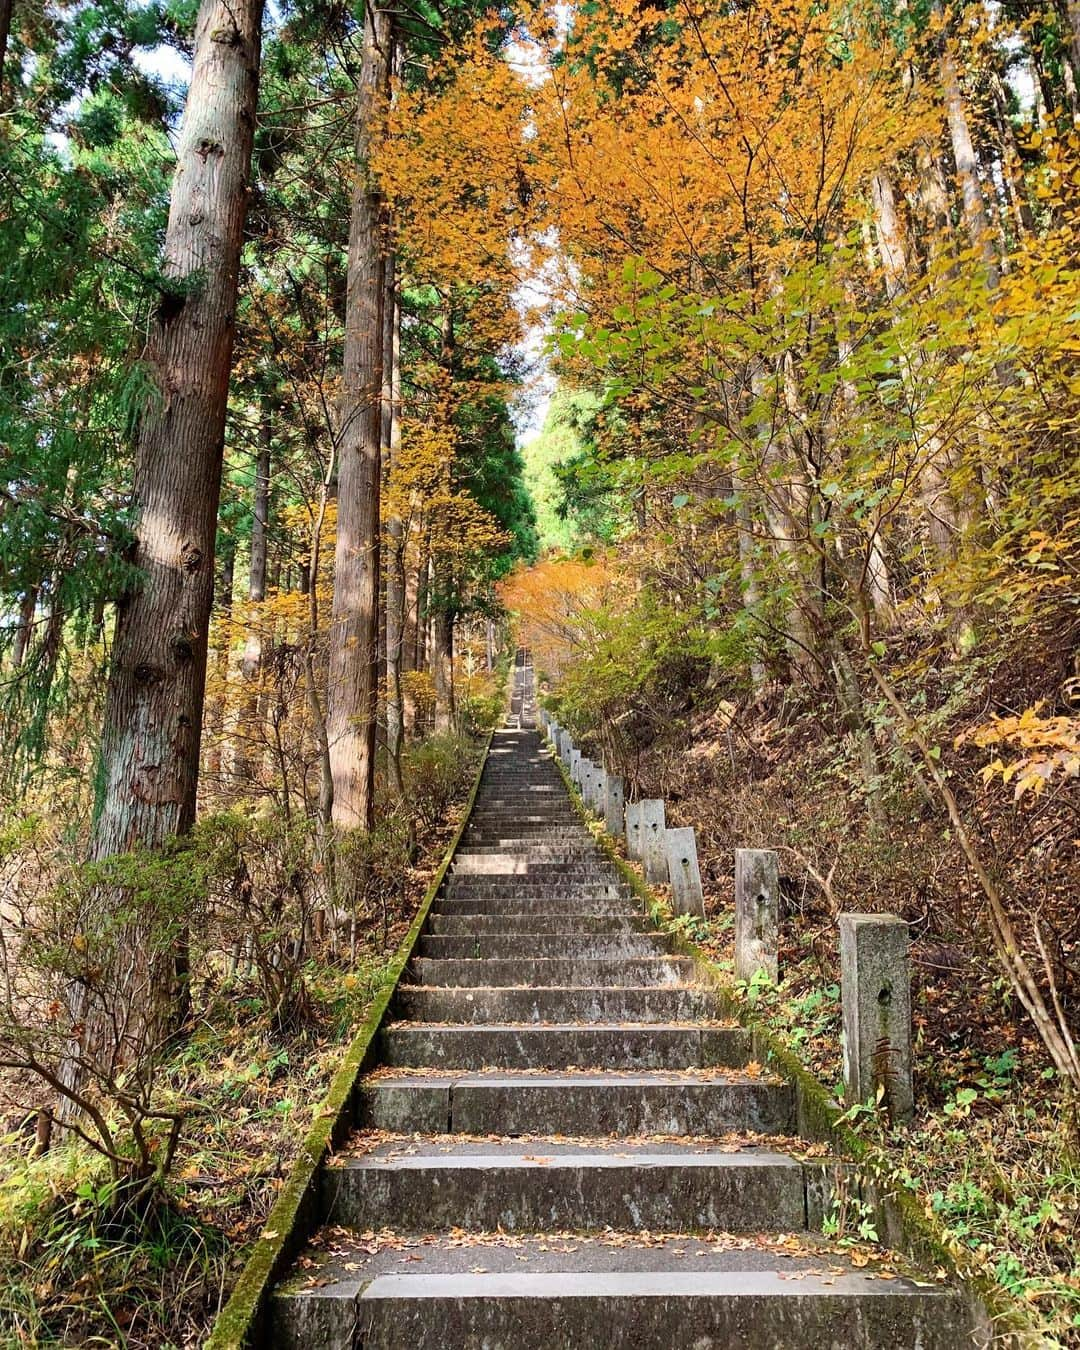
{"x":562,"y":815}
{"x":612,"y":1292}
{"x":549,"y":946}
{"x":568,"y":853}
{"x":490,"y":972}
{"x":529,"y":902}
{"x":514,"y":864}
{"x":471,"y":1006}
{"x":547,"y":1186}
{"x":656,"y":1045}
{"x":697,"y":1102}
{"x":533,"y":924}
{"x":524,"y":888}
{"x":553,"y":1075}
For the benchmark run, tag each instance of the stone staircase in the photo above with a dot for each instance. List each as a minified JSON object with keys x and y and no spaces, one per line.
{"x":563,"y":1146}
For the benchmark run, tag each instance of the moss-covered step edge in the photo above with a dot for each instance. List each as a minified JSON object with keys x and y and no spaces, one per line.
{"x":295,"y":1214}
{"x":902,"y":1224}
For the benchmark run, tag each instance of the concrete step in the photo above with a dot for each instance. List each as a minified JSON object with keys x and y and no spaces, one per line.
{"x":562,"y":816}
{"x":535,"y":924}
{"x":525,"y":888}
{"x":466,"y":1006}
{"x":610,"y":1292}
{"x":528,"y":902}
{"x":515,"y":864}
{"x":494,"y":973}
{"x":558,"y":1118}
{"x":511,"y":835}
{"x":617,"y":1045}
{"x":549,"y":946}
{"x":547,"y":1186}
{"x":697,"y":1102}
{"x":564,"y":854}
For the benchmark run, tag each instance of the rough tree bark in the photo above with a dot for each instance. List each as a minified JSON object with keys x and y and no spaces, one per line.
{"x":251,"y":665}
{"x":942,"y":524}
{"x":976,"y":216}
{"x":154,"y":703}
{"x":216,"y":715}
{"x":395,"y":550}
{"x":260,"y":521}
{"x":5,"y":31}
{"x":354,"y":629}
{"x":442,"y":628}
{"x":1072,"y":14}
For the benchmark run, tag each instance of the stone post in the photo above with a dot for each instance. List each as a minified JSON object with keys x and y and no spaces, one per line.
{"x":575,"y":767}
{"x":653,"y":850}
{"x":633,"y":830}
{"x":875,"y":981}
{"x":757,"y":912}
{"x":599,"y":789}
{"x":566,"y":745}
{"x":613,"y":804}
{"x":684,"y":874}
{"x":584,"y":778}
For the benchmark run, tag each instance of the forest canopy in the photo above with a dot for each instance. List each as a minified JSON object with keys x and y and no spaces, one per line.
{"x":723,"y":356}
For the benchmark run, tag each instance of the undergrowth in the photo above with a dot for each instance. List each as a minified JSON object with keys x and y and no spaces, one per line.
{"x":78,"y":1264}
{"x":993,"y":1151}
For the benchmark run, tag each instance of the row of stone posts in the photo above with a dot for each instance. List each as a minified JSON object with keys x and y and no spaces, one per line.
{"x":874,"y":966}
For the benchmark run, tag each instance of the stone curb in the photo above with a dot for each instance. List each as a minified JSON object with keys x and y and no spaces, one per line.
{"x":901,"y":1221}
{"x":295,"y":1212}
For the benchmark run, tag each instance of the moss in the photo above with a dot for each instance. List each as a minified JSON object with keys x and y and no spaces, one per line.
{"x":295,"y":1212}
{"x":902,"y":1217}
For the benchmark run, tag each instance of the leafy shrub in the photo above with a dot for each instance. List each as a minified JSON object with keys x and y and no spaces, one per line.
{"x":93,"y":962}
{"x":433,"y":772}
{"x":265,"y":880}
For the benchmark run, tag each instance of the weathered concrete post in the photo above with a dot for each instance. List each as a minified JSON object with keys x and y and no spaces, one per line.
{"x":566,"y":748}
{"x":575,"y":767}
{"x":633,"y":830}
{"x":599,"y":789}
{"x":653,"y":850}
{"x":875,"y":980}
{"x":684,"y":874}
{"x":585,"y":772}
{"x":757,"y":912}
{"x":613,"y":804}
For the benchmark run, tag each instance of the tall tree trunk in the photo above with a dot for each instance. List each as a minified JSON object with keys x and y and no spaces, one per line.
{"x":442,"y":629}
{"x":25,"y":626}
{"x":251,"y":666}
{"x":218,"y":712}
{"x":423,"y":589}
{"x":976,"y":216}
{"x":395,"y":551}
{"x":354,"y":632}
{"x":1072,"y":15}
{"x":1011,"y":167}
{"x":260,"y":521}
{"x":939,"y":509}
{"x":5,"y":32}
{"x":154,"y":702}
{"x":442,"y":665}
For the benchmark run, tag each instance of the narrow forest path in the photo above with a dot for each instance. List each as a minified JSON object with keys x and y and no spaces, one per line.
{"x":564,"y":1146}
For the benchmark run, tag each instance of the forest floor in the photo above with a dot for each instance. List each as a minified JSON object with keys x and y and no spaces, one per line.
{"x":71,"y":1275}
{"x":993,"y":1152}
